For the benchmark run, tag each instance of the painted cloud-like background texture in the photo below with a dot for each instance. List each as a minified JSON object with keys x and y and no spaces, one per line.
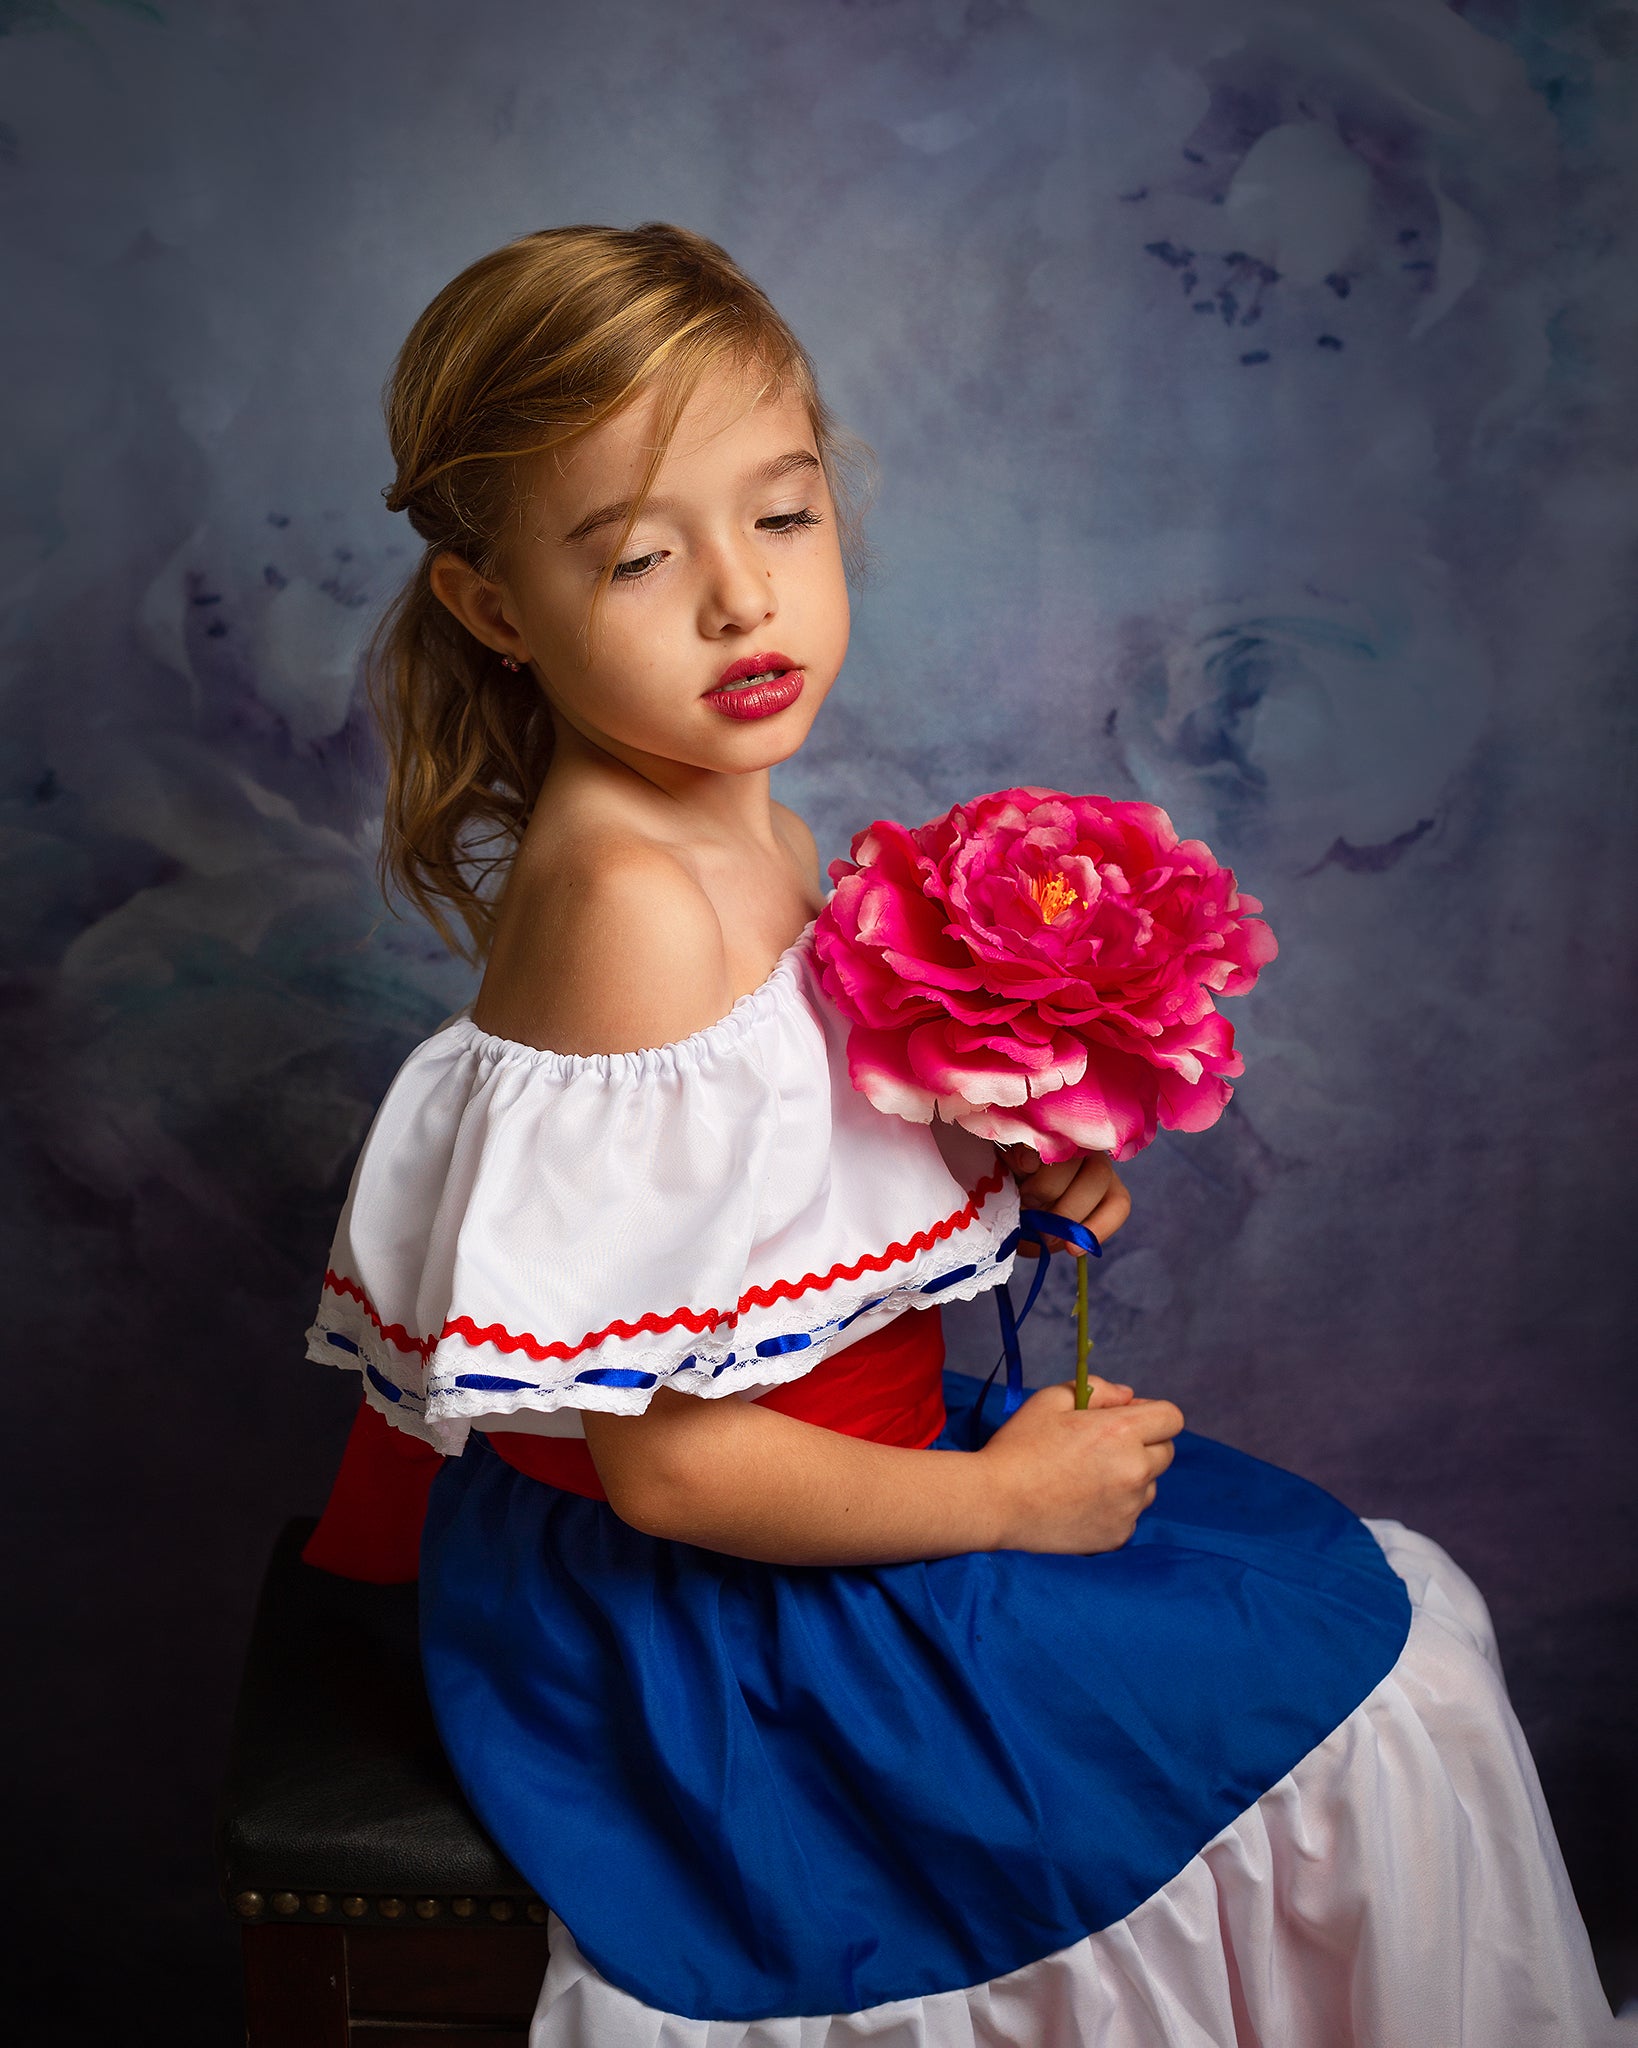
{"x":1253,"y":384}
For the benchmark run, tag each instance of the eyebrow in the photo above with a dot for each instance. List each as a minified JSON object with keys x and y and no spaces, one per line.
{"x":617,"y":513}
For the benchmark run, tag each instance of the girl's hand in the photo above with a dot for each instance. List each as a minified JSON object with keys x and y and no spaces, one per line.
{"x":1085,"y":1188}
{"x":1076,"y":1479}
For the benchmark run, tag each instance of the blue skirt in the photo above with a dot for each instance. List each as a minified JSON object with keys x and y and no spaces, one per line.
{"x":754,"y":1790}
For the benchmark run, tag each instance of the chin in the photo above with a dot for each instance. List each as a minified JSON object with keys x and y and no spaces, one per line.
{"x":763,"y":742}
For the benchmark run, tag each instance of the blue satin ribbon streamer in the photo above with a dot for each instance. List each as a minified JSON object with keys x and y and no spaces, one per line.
{"x":1034,"y":1224}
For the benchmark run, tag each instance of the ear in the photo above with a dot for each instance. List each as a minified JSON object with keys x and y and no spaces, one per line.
{"x":478,"y":602}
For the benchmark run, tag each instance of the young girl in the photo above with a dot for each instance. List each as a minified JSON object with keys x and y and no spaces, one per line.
{"x":818,"y":1707}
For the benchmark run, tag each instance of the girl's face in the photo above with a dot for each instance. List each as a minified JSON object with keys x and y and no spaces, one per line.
{"x":734,"y":560}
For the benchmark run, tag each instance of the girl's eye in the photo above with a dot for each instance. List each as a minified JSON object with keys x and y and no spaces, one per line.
{"x":639,"y":565}
{"x":790,"y":522}
{"x":776,"y":523}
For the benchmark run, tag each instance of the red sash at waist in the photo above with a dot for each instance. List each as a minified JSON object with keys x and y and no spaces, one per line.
{"x":888,"y":1386}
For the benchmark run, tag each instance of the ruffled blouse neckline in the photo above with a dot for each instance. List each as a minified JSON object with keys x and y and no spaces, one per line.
{"x":710,"y":1041}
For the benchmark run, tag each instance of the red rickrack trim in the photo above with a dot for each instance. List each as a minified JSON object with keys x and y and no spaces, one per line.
{"x":394,"y":1333}
{"x":692,"y":1319}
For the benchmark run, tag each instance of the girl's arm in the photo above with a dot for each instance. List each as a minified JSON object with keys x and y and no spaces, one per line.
{"x":637,"y":960}
{"x":729,"y":1475}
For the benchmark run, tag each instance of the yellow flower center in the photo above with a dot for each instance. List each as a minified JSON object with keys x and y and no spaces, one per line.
{"x":1053,"y":895}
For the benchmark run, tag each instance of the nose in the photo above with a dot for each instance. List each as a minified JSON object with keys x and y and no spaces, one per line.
{"x":738,"y":591}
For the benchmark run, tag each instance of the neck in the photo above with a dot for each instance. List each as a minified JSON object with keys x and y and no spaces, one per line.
{"x":735,"y":808}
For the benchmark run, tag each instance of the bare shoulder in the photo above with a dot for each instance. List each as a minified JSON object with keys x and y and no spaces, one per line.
{"x":799,"y":837}
{"x":614,"y":948}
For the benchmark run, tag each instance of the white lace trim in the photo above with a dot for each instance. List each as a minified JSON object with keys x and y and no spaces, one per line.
{"x":345,"y":1335}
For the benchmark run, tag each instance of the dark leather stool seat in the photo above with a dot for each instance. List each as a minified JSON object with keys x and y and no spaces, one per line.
{"x":371,"y":1898}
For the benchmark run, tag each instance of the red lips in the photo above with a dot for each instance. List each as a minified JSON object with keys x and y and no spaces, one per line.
{"x":771,"y":663}
{"x":756,"y":686}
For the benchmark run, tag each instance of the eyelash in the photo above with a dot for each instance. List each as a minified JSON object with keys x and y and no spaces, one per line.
{"x":635,"y":570}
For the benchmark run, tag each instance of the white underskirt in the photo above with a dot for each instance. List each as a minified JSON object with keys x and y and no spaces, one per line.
{"x":1401,"y":1888}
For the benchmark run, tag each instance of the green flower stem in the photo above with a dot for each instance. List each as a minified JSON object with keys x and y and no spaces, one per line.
{"x":1083,"y":1341}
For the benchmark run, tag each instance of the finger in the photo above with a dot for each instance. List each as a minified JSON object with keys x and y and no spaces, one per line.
{"x":1089,"y":1185}
{"x":1079,"y":1188}
{"x":1102,"y":1393}
{"x":1155,"y":1421}
{"x":1046,"y":1189}
{"x":1103,"y":1203}
{"x":1111,"y":1212}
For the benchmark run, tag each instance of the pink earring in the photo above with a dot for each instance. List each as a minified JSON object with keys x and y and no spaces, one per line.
{"x":508,"y":662}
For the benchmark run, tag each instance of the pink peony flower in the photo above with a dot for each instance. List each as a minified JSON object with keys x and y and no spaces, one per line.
{"x":1041,"y":968}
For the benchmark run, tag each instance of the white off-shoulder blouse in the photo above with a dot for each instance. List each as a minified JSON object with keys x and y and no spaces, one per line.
{"x":531,"y":1233}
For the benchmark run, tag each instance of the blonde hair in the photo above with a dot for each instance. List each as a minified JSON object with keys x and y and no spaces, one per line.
{"x":527,"y":349}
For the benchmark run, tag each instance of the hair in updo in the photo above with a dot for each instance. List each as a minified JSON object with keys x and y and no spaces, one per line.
{"x":528,"y":349}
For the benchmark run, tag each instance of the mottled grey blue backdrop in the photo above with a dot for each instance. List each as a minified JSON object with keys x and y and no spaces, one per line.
{"x":1254,"y":390}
